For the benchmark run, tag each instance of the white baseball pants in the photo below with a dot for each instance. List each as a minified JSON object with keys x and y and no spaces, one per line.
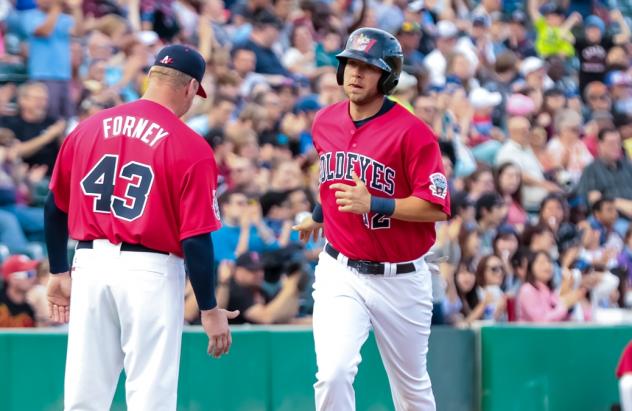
{"x":625,"y":392}
{"x":398,"y":308}
{"x":126,"y":311}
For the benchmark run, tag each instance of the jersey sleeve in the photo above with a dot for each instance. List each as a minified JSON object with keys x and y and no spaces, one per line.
{"x":60,"y":181}
{"x":424,"y":167}
{"x":315,"y":135}
{"x":199,"y":210}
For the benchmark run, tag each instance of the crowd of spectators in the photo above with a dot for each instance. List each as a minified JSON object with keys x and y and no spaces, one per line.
{"x":531,"y":103}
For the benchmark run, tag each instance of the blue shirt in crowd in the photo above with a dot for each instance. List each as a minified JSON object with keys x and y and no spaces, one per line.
{"x":225,"y":242}
{"x":49,"y":57}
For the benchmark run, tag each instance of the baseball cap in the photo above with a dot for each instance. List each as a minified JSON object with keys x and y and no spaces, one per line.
{"x":184,"y":59}
{"x":531,"y":64}
{"x":406,"y":82}
{"x":446,"y":29}
{"x":554,"y":91}
{"x":416,"y":6}
{"x":482,"y":98}
{"x":518,"y":17}
{"x":618,"y":78}
{"x":552,"y":8}
{"x":307,"y":104}
{"x":409,"y":27}
{"x":18,"y":264}
{"x":520,"y":105}
{"x":595,"y":21}
{"x":251,"y":261}
{"x":481,"y":20}
{"x":266,"y":18}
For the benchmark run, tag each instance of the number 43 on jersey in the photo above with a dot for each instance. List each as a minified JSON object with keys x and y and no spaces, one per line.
{"x":101,"y":180}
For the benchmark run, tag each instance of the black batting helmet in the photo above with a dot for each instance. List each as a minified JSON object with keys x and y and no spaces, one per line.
{"x":377,"y":48}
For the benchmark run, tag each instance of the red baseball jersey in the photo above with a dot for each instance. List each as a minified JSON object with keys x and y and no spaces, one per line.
{"x":135,"y":173}
{"x":397,"y":156}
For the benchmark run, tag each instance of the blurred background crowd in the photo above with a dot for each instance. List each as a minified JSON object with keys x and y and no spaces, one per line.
{"x":531,"y":103}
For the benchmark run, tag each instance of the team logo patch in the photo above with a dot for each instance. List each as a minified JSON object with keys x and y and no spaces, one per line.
{"x":166,"y":60}
{"x":362,"y":42}
{"x":439,"y":185}
{"x":216,"y":205}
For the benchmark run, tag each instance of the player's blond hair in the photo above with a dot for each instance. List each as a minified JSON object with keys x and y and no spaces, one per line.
{"x":169,"y":75}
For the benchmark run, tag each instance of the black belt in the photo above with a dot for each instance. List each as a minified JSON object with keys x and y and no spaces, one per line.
{"x":370,"y":267}
{"x":124,"y":247}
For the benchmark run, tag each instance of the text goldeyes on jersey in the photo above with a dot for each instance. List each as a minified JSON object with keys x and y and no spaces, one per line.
{"x":338,"y":166}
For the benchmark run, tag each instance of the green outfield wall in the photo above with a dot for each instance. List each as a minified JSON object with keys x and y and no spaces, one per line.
{"x":267,"y":369}
{"x":272,"y":368}
{"x":551,"y":368}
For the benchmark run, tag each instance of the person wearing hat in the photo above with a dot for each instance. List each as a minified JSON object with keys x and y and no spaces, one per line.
{"x":482,"y":142}
{"x":409,"y":36}
{"x":240,"y":289}
{"x":553,"y":32}
{"x":134,"y":186}
{"x":265,"y":32}
{"x":519,"y":41}
{"x":593,"y":47}
{"x":436,"y":61}
{"x":305,"y":109}
{"x":19,"y":274}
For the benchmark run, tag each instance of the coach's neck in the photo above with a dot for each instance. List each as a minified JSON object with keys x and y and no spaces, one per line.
{"x":167,"y":96}
{"x":367,"y":109}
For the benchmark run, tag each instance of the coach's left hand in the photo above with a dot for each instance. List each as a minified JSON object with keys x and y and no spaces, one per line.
{"x":352,"y":199}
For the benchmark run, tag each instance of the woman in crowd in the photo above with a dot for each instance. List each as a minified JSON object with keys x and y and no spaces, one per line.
{"x":489,"y":280}
{"x":537,"y":300}
{"x":508,"y":182}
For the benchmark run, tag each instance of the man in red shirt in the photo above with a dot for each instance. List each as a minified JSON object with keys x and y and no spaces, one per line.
{"x":136,"y":187}
{"x":382,"y":188}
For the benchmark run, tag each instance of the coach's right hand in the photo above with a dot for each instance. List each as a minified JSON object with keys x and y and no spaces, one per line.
{"x":308,"y":228}
{"x":215,"y":323}
{"x":58,"y":294}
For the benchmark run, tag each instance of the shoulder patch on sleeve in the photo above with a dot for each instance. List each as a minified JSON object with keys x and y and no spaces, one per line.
{"x":216,"y":206}
{"x":438,"y":185}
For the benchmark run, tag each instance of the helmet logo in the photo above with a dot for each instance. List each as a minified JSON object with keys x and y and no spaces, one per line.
{"x":362,"y":42}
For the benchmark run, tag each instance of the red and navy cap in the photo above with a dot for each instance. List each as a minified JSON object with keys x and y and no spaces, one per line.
{"x":184,"y":59}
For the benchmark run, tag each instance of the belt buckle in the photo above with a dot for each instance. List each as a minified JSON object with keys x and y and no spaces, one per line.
{"x":370,"y":267}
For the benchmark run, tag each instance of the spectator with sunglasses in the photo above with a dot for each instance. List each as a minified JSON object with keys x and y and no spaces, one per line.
{"x":490,"y":275}
{"x":19,"y":273}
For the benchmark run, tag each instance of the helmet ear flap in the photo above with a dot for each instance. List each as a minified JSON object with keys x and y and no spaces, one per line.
{"x":340,"y":72}
{"x":387,"y":83}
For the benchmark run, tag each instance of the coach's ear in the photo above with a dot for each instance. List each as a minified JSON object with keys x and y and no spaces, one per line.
{"x":193,"y":87}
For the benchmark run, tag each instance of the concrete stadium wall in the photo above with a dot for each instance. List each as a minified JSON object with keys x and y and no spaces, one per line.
{"x":268,"y":369}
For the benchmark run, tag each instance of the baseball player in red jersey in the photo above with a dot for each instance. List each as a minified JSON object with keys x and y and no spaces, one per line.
{"x":382,"y":188}
{"x":136,"y":187}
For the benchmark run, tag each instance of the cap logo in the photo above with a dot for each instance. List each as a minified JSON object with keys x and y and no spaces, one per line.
{"x":362,"y":42}
{"x":166,"y":60}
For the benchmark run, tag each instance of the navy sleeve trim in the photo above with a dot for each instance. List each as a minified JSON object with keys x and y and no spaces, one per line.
{"x":198,"y":256}
{"x":56,"y":235}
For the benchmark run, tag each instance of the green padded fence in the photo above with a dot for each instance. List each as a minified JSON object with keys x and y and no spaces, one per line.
{"x":268,"y":369}
{"x":551,"y":369}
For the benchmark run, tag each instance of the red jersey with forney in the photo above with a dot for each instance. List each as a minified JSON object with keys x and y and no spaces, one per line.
{"x":137,"y":174}
{"x":397,"y":156}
